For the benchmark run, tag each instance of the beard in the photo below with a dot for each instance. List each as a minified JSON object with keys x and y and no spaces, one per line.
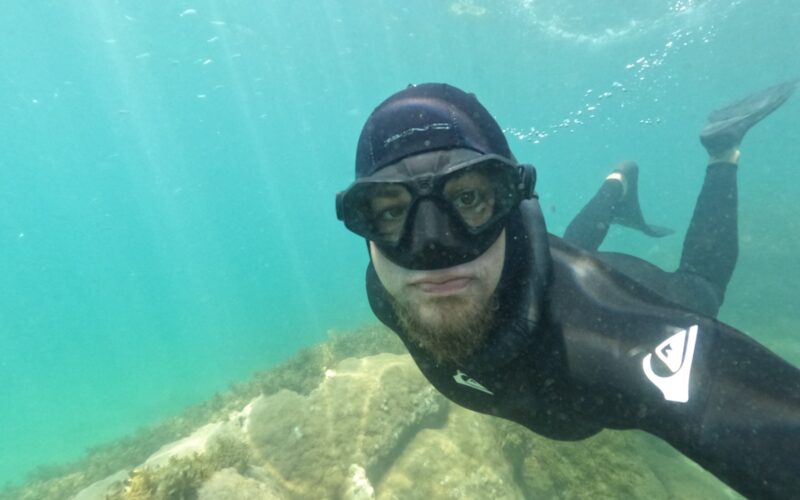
{"x":450,"y":329}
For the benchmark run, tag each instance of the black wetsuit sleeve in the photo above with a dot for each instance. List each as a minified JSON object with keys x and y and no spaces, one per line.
{"x":726,"y":402}
{"x":713,"y":393}
{"x":746,"y":431}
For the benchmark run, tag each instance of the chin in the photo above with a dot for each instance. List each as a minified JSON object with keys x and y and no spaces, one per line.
{"x":436,"y":312}
{"x":449,"y":328}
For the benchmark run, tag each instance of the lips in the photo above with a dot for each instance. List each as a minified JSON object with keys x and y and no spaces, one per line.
{"x":442,"y":285}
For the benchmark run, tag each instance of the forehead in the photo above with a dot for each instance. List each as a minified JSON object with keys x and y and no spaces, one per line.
{"x":431,"y":162}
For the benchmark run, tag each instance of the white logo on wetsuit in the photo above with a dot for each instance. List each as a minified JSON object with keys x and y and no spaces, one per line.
{"x":677,"y":353}
{"x":462,"y":378}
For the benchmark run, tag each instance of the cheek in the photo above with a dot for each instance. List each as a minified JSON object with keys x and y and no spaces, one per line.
{"x":496,"y":272}
{"x":491,"y":274}
{"x":389,"y":273}
{"x":492,"y":267}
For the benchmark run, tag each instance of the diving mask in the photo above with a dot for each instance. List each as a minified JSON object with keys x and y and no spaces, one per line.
{"x":436,"y":220}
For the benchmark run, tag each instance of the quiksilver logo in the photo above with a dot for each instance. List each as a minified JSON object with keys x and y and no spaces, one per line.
{"x":677,"y":353}
{"x":463,"y":379}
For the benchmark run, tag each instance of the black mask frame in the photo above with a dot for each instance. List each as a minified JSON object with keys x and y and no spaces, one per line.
{"x":351,"y":210}
{"x":433,"y":233}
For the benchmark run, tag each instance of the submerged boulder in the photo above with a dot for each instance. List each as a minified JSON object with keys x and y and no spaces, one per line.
{"x":464,"y":459}
{"x":374,"y":428}
{"x":361,"y":415}
{"x":229,"y":484}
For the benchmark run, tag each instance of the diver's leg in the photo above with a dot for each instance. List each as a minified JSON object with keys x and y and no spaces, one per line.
{"x":711,"y":246}
{"x":617,"y":202}
{"x":589,"y":228}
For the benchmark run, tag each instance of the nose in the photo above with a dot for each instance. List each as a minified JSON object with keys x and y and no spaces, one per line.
{"x":432,"y":229}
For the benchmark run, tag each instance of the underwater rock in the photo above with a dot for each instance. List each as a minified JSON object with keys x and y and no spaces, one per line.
{"x":361,"y":415}
{"x":98,"y":490}
{"x":358,"y":485}
{"x":228,"y":484}
{"x":374,"y":429}
{"x":606,"y":465}
{"x":464,"y":459}
{"x":180,"y":477}
{"x":328,"y":444}
{"x":196,"y":443}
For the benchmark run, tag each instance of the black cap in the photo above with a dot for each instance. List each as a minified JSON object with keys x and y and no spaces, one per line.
{"x":423,"y":118}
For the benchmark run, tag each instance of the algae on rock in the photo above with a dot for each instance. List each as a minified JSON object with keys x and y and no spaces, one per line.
{"x":463,"y":459}
{"x":182,"y":476}
{"x":361,"y":414}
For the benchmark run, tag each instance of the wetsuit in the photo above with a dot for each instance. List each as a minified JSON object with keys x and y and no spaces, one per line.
{"x":710,"y":248}
{"x":580,"y":346}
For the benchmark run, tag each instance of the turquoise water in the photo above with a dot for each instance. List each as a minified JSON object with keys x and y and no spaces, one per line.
{"x":168,"y":173}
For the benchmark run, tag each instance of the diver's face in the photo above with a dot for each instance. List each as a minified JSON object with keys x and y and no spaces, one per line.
{"x":447,"y":311}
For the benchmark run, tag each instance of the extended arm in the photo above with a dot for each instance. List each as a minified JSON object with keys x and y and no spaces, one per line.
{"x":748,"y":431}
{"x":707,"y":389}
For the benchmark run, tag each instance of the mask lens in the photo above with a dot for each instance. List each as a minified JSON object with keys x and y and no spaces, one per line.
{"x":482,"y":194}
{"x":378,"y":211}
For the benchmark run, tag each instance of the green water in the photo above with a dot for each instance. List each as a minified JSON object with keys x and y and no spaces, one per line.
{"x":168,"y":172}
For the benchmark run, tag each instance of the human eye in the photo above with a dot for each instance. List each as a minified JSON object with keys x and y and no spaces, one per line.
{"x":388,"y":210}
{"x":390,"y":214}
{"x":472,"y":196}
{"x":468,"y":199}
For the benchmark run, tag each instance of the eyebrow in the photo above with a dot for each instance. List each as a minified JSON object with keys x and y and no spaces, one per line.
{"x":389,"y":191}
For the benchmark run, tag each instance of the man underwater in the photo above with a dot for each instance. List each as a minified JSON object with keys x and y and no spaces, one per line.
{"x":506,"y":319}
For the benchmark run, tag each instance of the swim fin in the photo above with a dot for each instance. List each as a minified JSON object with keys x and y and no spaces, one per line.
{"x":627,"y":211}
{"x":726,"y":127}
